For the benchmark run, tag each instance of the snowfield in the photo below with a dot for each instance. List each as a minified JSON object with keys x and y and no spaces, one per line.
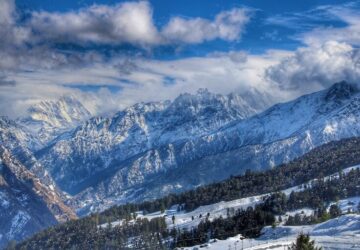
{"x":339,"y":233}
{"x":184,"y":220}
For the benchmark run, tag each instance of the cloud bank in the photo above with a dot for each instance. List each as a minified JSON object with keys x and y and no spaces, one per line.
{"x":317,"y":67}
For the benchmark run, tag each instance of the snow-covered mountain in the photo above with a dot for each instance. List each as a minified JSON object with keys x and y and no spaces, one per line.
{"x":102,"y":147}
{"x":48,"y":119}
{"x":29,"y":198}
{"x":152,"y":149}
{"x":277,"y":135}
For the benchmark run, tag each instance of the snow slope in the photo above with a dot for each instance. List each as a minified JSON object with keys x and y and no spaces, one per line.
{"x":152,"y":149}
{"x":339,"y":233}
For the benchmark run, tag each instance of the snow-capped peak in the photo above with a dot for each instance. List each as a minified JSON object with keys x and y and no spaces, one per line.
{"x":49,"y":118}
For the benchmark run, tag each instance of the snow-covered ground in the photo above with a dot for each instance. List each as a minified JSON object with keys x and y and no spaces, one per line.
{"x":191,"y":219}
{"x":339,"y":233}
{"x":348,"y":205}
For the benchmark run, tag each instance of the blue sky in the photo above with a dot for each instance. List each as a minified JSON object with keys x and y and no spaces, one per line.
{"x":111,"y":54}
{"x":258,"y":37}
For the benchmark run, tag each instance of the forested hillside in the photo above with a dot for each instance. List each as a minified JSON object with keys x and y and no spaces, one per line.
{"x":323,"y":161}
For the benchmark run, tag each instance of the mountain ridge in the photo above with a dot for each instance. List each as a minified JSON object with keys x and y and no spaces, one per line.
{"x":256,"y":158}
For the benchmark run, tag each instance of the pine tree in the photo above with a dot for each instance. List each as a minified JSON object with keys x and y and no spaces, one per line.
{"x":303,"y":242}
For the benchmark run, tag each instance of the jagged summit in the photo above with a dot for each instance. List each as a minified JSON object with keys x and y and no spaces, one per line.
{"x":59,"y":113}
{"x":47,"y":119}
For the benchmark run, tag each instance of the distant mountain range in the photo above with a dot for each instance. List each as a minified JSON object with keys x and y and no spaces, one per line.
{"x":155,"y":148}
{"x":151,"y":149}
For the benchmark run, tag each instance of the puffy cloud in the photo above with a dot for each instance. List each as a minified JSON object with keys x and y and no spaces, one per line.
{"x":227,"y":25}
{"x":317,"y":67}
{"x":349,"y":34}
{"x":132,"y":23}
{"x":12,"y":35}
{"x":129,"y":22}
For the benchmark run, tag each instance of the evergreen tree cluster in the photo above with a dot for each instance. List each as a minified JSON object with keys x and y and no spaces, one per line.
{"x":87,"y":234}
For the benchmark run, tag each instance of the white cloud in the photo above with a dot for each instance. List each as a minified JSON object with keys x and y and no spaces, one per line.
{"x":316,"y":34}
{"x":12,"y":35}
{"x":132,"y":22}
{"x":129,"y":22}
{"x":317,"y":67}
{"x":323,"y":23}
{"x":7,"y":10}
{"x":227,"y":25}
{"x":31,"y":44}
